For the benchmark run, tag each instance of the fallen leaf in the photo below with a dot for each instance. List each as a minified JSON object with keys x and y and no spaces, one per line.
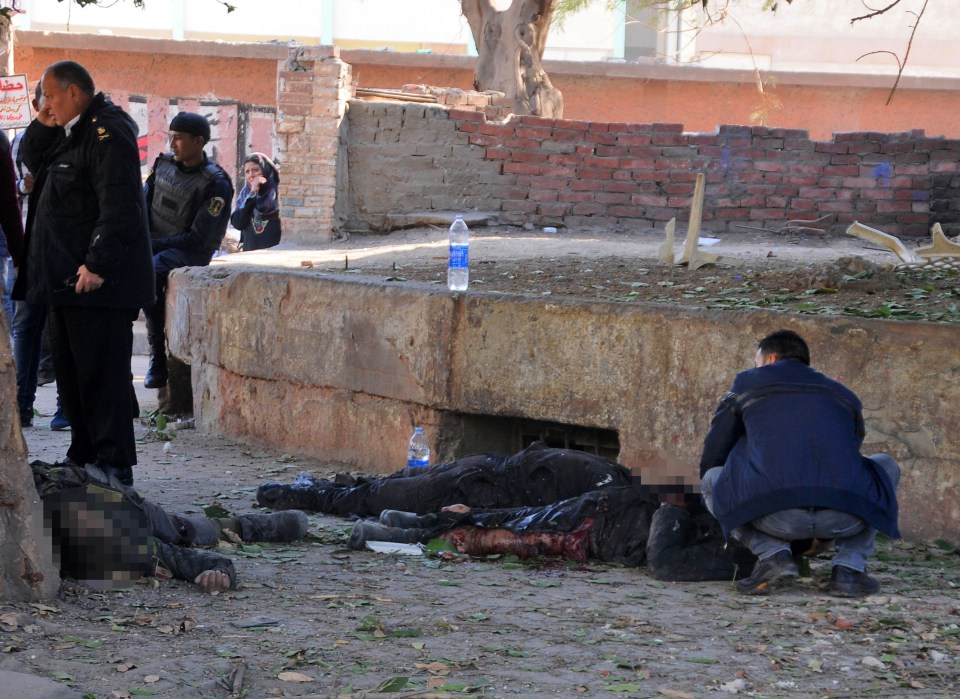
{"x":150,"y":679}
{"x":676,"y":694}
{"x":870,"y":661}
{"x":294,"y":677}
{"x":8,"y":622}
{"x":733,"y":687}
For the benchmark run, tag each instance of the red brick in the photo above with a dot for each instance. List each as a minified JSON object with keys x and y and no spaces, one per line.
{"x":566,"y":135}
{"x":586,"y":185}
{"x":777,"y":202}
{"x":612,"y":198}
{"x":527,"y":206}
{"x":588,"y":209}
{"x":523,"y":143}
{"x":627,"y":212}
{"x":593,"y":174}
{"x":660,"y":214}
{"x":858,"y":182}
{"x":633,"y":140}
{"x":496,"y":154}
{"x":686,"y":176}
{"x":678,"y":189}
{"x":671,"y":164}
{"x":767,"y":166}
{"x":466,"y":115}
{"x":650,"y":176}
{"x":611,"y":151}
{"x":619,"y":186}
{"x":575,"y":197}
{"x":911,"y":169}
{"x":467,"y":127}
{"x":889,"y":207}
{"x":553,"y":209}
{"x":842,"y":170}
{"x":564,"y":159}
{"x":803,"y":204}
{"x":584,"y":151}
{"x":667,"y":128}
{"x":753,"y":201}
{"x":522,"y":168}
{"x":834,"y":206}
{"x":526,"y":156}
{"x":919,"y":217}
{"x":767,"y":214}
{"x":558,"y":171}
{"x":801,"y":180}
{"x":824,"y":147}
{"x":602,"y":163}
{"x":648,"y":200}
{"x":598,"y":127}
{"x":668,"y":139}
{"x":876,"y":193}
{"x":603,"y":139}
{"x":553,"y":183}
{"x":543,"y":195}
{"x":481,"y":140}
{"x":536,"y":133}
{"x":572,"y":124}
{"x":531,"y":120}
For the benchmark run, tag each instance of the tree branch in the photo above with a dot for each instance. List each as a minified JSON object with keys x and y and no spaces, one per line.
{"x":876,"y":12}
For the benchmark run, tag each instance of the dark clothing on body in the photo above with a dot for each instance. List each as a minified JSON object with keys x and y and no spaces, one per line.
{"x":539,"y":475}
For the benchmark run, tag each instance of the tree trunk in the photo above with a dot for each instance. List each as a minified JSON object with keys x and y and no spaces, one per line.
{"x":510,"y":45}
{"x":27,"y":571}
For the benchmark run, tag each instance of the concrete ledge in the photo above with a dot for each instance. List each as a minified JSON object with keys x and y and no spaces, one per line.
{"x":341,"y":368}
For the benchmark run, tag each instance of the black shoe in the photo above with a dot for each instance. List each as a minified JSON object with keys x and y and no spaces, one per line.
{"x":154,"y":378}
{"x":26,"y":419}
{"x":124,"y":474}
{"x":847,"y":582}
{"x":303,"y":494}
{"x":46,"y":377}
{"x":769,"y":573}
{"x":287,"y":525}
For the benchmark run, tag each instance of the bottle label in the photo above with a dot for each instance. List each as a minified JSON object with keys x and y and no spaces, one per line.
{"x":418,"y":463}
{"x":459,"y":256}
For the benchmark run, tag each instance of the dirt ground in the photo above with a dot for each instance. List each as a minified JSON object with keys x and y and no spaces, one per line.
{"x":314,"y":619}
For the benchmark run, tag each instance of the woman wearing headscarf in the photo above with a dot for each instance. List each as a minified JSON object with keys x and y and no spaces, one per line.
{"x":257,"y":209}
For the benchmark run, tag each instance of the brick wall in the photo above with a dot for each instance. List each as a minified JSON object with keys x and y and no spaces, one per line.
{"x":578,"y":173}
{"x":312,"y":91}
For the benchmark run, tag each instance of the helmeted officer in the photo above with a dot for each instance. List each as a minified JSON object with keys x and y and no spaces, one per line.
{"x":188,"y":199}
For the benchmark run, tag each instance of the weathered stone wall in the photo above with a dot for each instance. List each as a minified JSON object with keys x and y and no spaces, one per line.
{"x":577,"y":173}
{"x":27,"y":571}
{"x":343,"y":370}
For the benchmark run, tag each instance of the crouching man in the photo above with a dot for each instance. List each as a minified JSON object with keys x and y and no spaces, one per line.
{"x":782,"y":462}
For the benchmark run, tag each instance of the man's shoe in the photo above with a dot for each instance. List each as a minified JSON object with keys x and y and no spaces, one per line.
{"x":288,"y":525}
{"x":59,"y":422}
{"x":399,"y":518}
{"x":46,"y":377}
{"x":847,"y":582}
{"x":769,"y":573}
{"x":155,"y":378}
{"x":367,"y":530}
{"x":26,"y":419}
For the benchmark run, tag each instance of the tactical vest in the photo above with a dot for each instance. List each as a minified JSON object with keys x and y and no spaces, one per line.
{"x":177,"y":195}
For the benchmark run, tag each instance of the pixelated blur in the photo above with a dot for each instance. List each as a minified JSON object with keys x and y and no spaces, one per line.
{"x":663,"y":473}
{"x":99,"y":538}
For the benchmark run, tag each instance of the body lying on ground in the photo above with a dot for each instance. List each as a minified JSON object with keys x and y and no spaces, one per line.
{"x":108,"y":535}
{"x":538,"y":475}
{"x":616,"y":525}
{"x":541,"y":501}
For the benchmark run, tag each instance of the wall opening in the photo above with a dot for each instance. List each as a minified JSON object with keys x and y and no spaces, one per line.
{"x":465,"y":434}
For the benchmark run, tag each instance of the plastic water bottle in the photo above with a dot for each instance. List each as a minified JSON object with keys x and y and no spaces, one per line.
{"x":458,"y":273}
{"x":418,"y":453}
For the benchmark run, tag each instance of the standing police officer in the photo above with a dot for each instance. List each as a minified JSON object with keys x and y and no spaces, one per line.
{"x":188,"y":199}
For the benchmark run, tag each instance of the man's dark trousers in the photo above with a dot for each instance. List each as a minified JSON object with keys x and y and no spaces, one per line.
{"x":92,"y":348}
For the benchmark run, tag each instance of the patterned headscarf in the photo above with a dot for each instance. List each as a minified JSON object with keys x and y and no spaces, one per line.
{"x":269,"y":170}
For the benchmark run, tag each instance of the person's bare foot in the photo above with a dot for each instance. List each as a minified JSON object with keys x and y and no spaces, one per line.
{"x":213,"y":581}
